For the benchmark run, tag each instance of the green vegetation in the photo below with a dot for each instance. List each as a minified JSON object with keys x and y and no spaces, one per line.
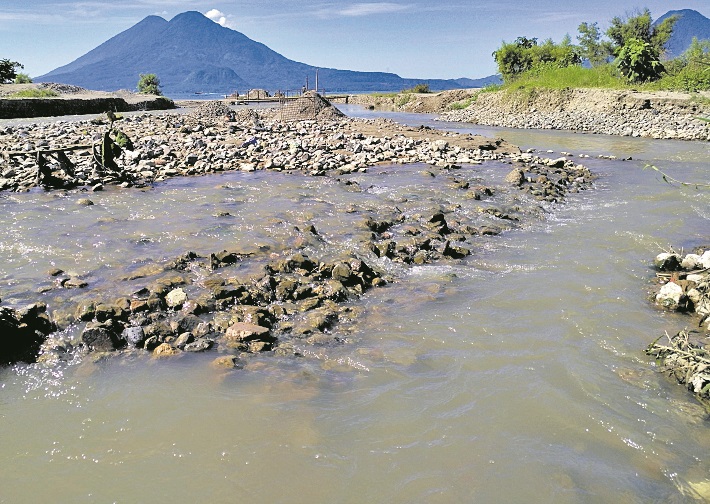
{"x":23,"y":78}
{"x":35,"y":93}
{"x":630,"y":56}
{"x":419,"y":88}
{"x":639,"y":61}
{"x":525,"y":55}
{"x":149,"y":84}
{"x":8,"y":70}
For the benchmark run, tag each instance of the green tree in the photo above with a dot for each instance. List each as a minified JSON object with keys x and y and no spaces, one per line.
{"x":23,"y":78}
{"x":640,"y":27}
{"x":526,"y":54}
{"x":149,"y":84}
{"x":8,"y":70}
{"x":592,"y":47}
{"x":638,"y":61}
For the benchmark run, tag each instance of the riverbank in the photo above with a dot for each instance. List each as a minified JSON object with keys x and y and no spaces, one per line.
{"x":662,"y":115}
{"x":50,"y":100}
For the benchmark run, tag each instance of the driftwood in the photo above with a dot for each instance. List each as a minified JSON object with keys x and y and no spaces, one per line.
{"x":687,"y":360}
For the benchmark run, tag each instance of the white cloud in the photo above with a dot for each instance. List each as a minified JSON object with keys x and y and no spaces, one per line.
{"x":220,"y":18}
{"x":368,"y":9}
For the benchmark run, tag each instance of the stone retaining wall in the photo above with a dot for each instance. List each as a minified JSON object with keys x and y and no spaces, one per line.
{"x":47,"y":107}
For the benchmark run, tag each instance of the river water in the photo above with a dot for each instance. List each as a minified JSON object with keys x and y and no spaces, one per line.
{"x":515,"y":375}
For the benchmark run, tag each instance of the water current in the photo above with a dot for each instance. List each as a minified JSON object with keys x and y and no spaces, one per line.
{"x":515,"y":375}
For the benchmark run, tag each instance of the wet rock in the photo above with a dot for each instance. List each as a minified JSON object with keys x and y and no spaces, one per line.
{"x":21,"y":334}
{"x":102,"y":337}
{"x":516,"y":177}
{"x":73,"y":283}
{"x":134,"y":336}
{"x":199,"y":345}
{"x":670,"y":296}
{"x":165,"y":350}
{"x":227,"y":362}
{"x":454,"y":252}
{"x":183,"y":339}
{"x":668,"y":262}
{"x":243,"y":331}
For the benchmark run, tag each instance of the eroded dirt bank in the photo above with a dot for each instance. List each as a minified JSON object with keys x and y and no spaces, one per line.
{"x":611,"y":112}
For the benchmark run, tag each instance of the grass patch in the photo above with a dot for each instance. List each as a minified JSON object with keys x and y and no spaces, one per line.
{"x":35,"y":93}
{"x":464,"y":104}
{"x":689,"y":79}
{"x":403,"y":99}
{"x":604,"y":76}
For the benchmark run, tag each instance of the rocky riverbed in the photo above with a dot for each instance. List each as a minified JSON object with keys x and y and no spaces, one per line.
{"x":249,"y":300}
{"x":663,"y":115}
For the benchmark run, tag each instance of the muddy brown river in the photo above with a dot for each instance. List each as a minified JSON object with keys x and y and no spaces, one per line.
{"x":516,"y":374}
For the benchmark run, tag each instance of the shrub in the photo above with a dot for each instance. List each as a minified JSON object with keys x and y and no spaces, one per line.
{"x":638,"y":61}
{"x":149,"y":84}
{"x":419,"y":88}
{"x":23,"y":78}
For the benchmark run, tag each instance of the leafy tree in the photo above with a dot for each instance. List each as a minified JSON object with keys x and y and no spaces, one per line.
{"x":526,"y":54}
{"x":592,"y":47}
{"x":8,"y":70}
{"x":149,"y":84}
{"x":640,"y":27}
{"x":638,"y":61}
{"x":23,"y":78}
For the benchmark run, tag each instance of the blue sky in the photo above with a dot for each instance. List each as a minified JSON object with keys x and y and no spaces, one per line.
{"x":413,"y":38}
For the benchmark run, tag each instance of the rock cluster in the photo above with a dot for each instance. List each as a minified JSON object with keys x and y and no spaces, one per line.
{"x":22,"y":332}
{"x":197,"y":304}
{"x":213,"y":139}
{"x":686,"y":287}
{"x":686,"y":284}
{"x":591,"y":111}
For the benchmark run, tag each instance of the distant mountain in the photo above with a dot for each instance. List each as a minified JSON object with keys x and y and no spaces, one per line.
{"x":690,"y":24}
{"x":191,"y":53}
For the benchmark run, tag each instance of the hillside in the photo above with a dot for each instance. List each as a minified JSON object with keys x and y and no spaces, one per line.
{"x":690,"y":24}
{"x":191,"y":53}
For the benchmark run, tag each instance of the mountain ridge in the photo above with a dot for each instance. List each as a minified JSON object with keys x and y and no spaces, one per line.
{"x":191,"y":53}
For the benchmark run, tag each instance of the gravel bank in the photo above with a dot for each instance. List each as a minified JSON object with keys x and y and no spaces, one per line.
{"x":623,"y":113}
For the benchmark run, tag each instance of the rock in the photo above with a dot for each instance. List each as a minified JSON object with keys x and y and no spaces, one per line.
{"x":134,"y":336}
{"x":199,"y":345}
{"x":18,"y":341}
{"x":515,"y":177}
{"x":342,"y":273}
{"x":226,"y":363}
{"x":165,"y":350}
{"x":184,"y":339}
{"x":243,"y":331}
{"x":670,"y":295}
{"x":668,"y":262}
{"x":74,"y":283}
{"x":84,"y":202}
{"x":176,"y":298}
{"x":102,"y":337}
{"x":454,"y":252}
